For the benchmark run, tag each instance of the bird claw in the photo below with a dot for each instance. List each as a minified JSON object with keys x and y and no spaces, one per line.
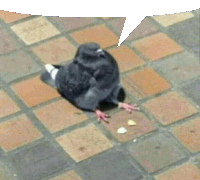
{"x":101,"y":116}
{"x":128,"y":107}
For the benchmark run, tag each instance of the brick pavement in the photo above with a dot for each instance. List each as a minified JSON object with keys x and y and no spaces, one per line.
{"x":42,"y":136}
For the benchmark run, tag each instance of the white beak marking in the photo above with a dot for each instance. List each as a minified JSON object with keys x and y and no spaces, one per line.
{"x":99,"y":50}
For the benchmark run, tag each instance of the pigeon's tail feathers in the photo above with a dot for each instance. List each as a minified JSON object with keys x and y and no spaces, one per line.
{"x":51,"y":70}
{"x":49,"y":67}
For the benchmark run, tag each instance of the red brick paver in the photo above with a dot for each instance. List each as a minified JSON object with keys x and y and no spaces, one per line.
{"x":126,"y":58}
{"x":99,"y":34}
{"x":17,"y":132}
{"x":143,"y":125}
{"x":184,"y":172}
{"x":10,"y":17}
{"x":157,"y":46}
{"x":144,"y":83}
{"x":170,"y":108}
{"x":7,"y":106}
{"x":59,"y":115}
{"x":189,"y":134}
{"x":33,"y":91}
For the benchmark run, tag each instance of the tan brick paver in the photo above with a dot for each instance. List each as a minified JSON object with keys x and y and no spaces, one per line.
{"x":84,"y":142}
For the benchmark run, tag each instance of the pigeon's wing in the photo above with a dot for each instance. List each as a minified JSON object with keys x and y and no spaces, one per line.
{"x":107,"y":80}
{"x":113,"y":96}
{"x":107,"y":75}
{"x":76,"y":84}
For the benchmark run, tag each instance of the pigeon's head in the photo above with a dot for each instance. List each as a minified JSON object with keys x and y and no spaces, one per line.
{"x":90,"y":50}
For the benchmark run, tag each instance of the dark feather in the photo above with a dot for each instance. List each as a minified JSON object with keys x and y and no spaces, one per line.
{"x":91,"y":78}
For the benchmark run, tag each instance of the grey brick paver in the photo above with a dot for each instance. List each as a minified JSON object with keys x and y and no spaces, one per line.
{"x":39,"y":161}
{"x":156,"y":152}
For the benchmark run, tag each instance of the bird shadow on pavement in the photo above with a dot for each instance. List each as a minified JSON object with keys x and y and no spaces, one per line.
{"x":105,"y":106}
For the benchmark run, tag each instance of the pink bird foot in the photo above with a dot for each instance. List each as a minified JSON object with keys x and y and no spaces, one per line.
{"x":101,"y":116}
{"x":128,"y":107}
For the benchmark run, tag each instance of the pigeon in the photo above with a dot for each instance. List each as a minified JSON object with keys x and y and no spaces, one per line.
{"x":92,"y":77}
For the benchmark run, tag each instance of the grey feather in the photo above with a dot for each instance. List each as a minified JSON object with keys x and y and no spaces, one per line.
{"x":91,"y":78}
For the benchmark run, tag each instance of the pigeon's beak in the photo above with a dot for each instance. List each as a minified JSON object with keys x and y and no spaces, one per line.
{"x":100,"y":52}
